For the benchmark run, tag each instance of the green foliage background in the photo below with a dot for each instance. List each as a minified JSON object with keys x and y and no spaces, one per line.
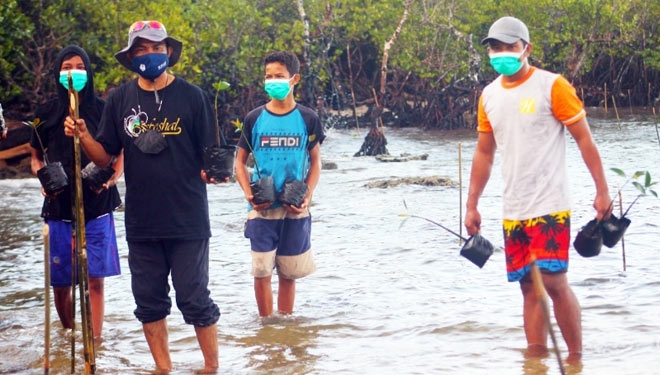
{"x":436,"y":65}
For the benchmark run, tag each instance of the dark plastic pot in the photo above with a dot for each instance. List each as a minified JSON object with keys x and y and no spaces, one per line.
{"x":477,"y":250}
{"x":95,"y":177}
{"x":613,"y":229}
{"x":293,"y":193}
{"x":219,"y":161}
{"x":53,"y":178}
{"x":263,"y":190}
{"x":589,"y":239}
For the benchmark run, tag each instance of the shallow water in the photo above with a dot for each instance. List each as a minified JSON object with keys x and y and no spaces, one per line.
{"x":386,"y":298}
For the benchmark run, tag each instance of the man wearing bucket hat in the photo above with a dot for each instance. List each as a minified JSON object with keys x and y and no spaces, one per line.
{"x":162,"y":123}
{"x":524,"y":112}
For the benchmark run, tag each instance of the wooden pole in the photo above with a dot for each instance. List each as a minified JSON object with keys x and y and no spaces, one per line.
{"x":46,"y":300}
{"x":460,"y":194}
{"x":623,"y":243}
{"x":81,"y":243}
{"x":605,"y":96}
{"x":655,"y":119}
{"x":616,"y":111}
{"x":630,"y":102}
{"x":541,"y":294}
{"x":74,"y":268}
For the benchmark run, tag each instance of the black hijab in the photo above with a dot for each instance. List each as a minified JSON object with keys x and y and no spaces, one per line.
{"x":59,"y":147}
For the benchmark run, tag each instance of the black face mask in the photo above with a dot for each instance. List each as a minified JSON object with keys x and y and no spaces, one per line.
{"x":151,"y":142}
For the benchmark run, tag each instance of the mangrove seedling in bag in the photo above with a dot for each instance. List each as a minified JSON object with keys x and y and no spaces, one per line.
{"x":294,"y":191}
{"x":263,"y":189}
{"x":477,"y":249}
{"x":596,"y":233}
{"x":94,"y":177}
{"x":614,"y":228}
{"x":52,"y":175}
{"x":219,"y":157}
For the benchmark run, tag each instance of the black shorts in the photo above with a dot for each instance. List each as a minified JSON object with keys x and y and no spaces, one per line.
{"x":151,"y":262}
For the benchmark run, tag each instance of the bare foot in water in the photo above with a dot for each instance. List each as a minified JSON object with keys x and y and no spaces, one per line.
{"x":159,"y":372}
{"x":574,"y":359}
{"x":206,"y":370}
{"x":536,"y":351}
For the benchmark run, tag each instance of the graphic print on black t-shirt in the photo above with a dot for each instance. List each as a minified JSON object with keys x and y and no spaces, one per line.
{"x":139,"y":122}
{"x":165,"y":195}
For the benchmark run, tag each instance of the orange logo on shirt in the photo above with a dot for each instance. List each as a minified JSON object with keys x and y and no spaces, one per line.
{"x":527,"y":106}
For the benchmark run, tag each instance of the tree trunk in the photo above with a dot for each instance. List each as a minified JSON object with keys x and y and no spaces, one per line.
{"x":374,"y":143}
{"x":309,"y":81}
{"x":350,"y":80}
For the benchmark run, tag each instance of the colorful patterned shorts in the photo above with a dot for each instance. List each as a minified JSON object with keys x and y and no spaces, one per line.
{"x":548,"y":237}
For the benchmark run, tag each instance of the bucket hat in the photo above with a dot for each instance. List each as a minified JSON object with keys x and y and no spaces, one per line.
{"x":507,"y":30}
{"x":153,"y":31}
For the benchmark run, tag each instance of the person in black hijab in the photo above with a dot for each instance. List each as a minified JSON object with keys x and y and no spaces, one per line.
{"x":102,"y":254}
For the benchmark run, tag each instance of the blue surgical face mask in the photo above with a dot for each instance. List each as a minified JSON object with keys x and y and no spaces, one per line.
{"x":151,"y":65}
{"x":78,"y":77}
{"x":278,"y":88}
{"x":506,"y":63}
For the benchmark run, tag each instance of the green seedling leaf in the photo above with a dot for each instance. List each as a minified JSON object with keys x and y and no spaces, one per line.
{"x":647,"y":181}
{"x":638,"y":174}
{"x":404,"y":204}
{"x":237,"y":124}
{"x":403,"y":222}
{"x":34,"y":124}
{"x":618,"y":171}
{"x":653,"y":193}
{"x":221,"y":85}
{"x":639,"y":187}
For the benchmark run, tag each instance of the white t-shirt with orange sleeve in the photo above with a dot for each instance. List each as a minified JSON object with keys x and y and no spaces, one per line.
{"x":527,"y":120}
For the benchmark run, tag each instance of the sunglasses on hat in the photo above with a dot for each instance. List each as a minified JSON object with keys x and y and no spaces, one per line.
{"x":139,"y":25}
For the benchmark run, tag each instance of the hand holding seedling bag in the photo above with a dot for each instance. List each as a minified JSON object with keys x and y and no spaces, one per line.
{"x":592,"y":236}
{"x":52,"y":176}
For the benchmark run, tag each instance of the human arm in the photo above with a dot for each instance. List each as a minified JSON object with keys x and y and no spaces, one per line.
{"x":313,"y":176}
{"x":118,"y":166}
{"x":211,"y":180}
{"x":36,"y":160}
{"x":3,"y":126}
{"x":93,"y":149}
{"x":582,"y":135}
{"x":243,"y":178}
{"x":482,"y":164}
{"x":36,"y":163}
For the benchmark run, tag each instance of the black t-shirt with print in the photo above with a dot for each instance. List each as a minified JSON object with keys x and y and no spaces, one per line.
{"x":165,"y":194}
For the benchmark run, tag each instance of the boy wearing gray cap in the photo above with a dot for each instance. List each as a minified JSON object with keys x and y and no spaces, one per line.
{"x":162,"y":123}
{"x":524,"y":112}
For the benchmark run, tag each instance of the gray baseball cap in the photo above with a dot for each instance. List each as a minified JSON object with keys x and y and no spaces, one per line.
{"x":507,"y":30}
{"x":153,"y":31}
